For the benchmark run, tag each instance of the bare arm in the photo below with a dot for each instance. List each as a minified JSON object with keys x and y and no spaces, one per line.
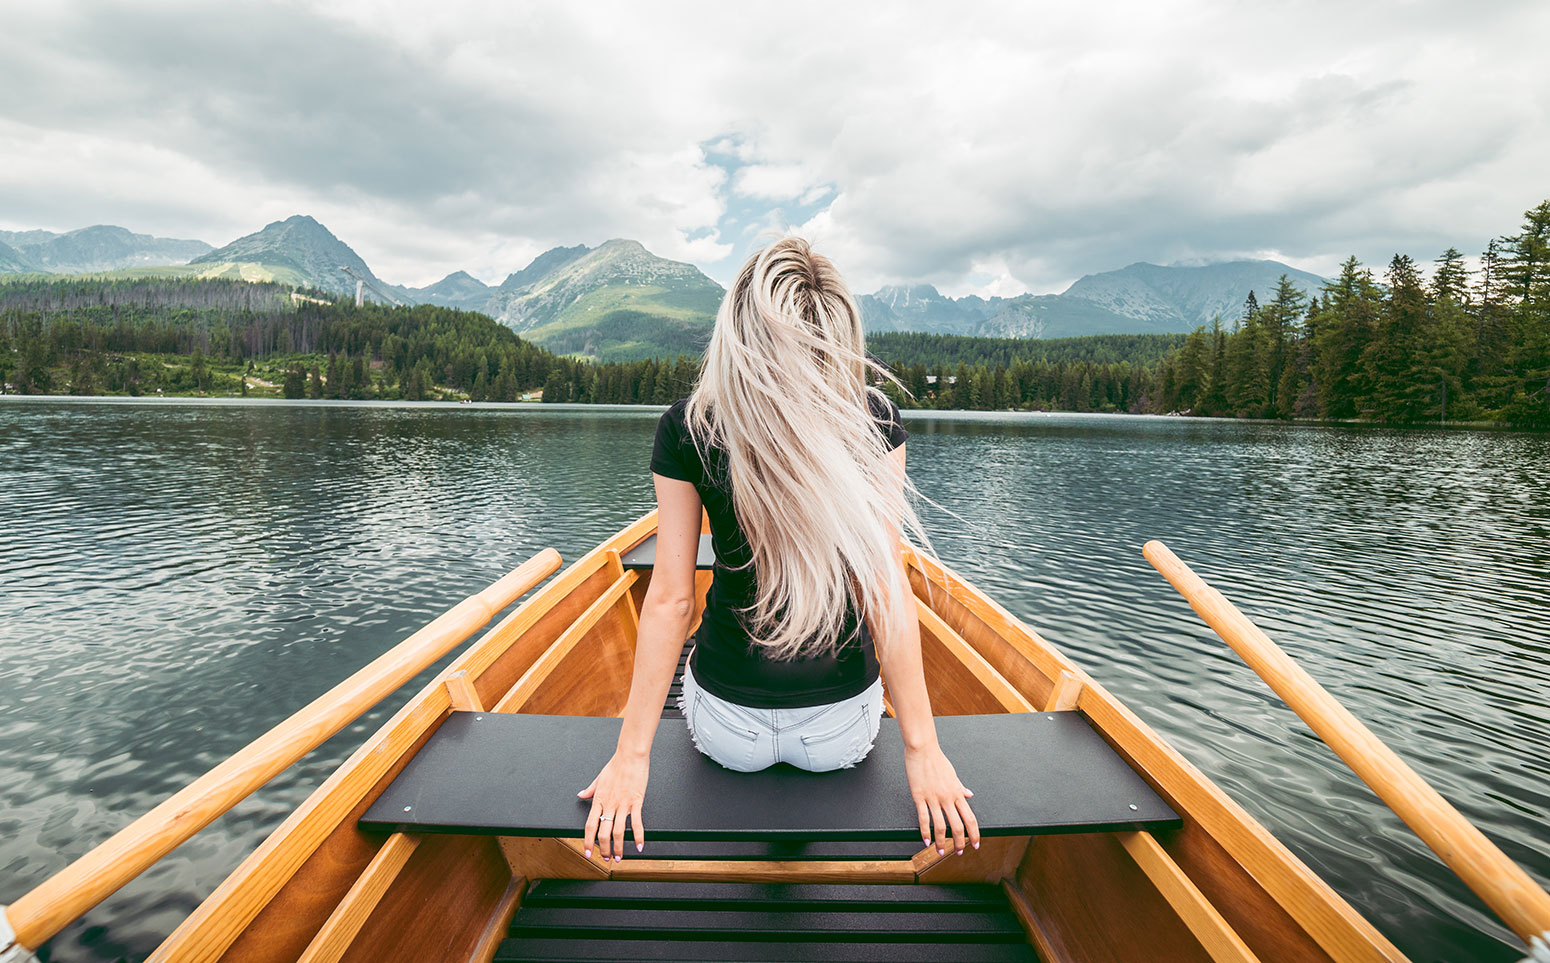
{"x":940,"y":799}
{"x":665,"y":616}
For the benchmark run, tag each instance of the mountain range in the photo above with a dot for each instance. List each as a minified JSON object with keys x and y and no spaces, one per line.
{"x":1140,"y":299}
{"x":619,"y":301}
{"x":90,"y":250}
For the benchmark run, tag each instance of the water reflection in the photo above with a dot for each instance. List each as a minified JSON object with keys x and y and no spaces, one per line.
{"x":176,"y":578}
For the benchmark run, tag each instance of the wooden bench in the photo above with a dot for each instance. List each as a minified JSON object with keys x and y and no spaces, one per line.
{"x":517,"y":775}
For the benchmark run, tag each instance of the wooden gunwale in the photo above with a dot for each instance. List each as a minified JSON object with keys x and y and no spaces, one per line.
{"x":1339,"y":930}
{"x":221,"y":919}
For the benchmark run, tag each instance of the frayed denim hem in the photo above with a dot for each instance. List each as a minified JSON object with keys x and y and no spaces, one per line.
{"x":683,"y":708}
{"x":865,"y":751}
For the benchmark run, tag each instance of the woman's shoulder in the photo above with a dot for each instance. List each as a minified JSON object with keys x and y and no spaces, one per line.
{"x":890,"y":421}
{"x":677,"y":408}
{"x":674,"y":422}
{"x":673,"y":454}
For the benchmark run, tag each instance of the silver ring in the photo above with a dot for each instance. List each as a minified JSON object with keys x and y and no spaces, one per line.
{"x":604,"y":819}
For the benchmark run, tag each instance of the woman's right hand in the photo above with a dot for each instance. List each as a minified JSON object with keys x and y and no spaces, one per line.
{"x":618,"y":791}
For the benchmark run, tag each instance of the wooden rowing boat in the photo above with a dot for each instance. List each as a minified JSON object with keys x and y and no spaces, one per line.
{"x":1212,"y":885}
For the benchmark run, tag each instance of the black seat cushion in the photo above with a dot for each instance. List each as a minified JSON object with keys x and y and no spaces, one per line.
{"x":518,"y":775}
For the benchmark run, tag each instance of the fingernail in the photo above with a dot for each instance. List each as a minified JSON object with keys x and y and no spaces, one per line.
{"x":976,"y":845}
{"x":941,"y":852}
{"x":640,"y":847}
{"x":960,"y":852}
{"x":587,"y":853}
{"x":616,"y":859}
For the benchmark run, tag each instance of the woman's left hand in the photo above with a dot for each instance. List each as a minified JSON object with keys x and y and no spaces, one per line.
{"x":941,"y":800}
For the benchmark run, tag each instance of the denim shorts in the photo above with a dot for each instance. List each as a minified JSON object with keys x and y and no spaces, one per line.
{"x":817,"y":738}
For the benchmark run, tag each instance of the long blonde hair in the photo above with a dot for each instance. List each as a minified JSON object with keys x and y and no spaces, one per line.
{"x":784,"y":391}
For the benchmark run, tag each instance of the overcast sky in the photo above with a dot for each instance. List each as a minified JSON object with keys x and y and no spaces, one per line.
{"x":986,"y":148}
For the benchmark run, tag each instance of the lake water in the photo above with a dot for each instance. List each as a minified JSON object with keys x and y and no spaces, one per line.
{"x":176,"y":578}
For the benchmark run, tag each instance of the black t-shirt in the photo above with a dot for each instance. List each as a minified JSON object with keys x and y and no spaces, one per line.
{"x":725,"y":662}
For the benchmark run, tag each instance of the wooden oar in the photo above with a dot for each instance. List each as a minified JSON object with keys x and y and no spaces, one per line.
{"x":1497,"y":880}
{"x":37,"y":916}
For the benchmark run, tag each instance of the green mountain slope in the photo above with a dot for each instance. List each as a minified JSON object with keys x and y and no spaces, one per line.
{"x":545,"y":264}
{"x":231,"y":270}
{"x":615,"y":302}
{"x":299,"y":250}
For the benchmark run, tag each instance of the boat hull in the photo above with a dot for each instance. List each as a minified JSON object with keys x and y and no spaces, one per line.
{"x":1217,"y":887}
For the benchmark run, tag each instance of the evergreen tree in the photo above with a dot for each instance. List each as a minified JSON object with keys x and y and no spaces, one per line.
{"x":1526,"y":280}
{"x":295,"y":385}
{"x":1191,"y":382}
{"x":200,"y":371}
{"x":1450,"y":278}
{"x":1345,"y":327}
{"x":412,"y":385}
{"x":1399,"y":381}
{"x":1214,"y":400}
{"x":1489,"y":373}
{"x":1280,"y":320}
{"x":556,"y":387}
{"x":335,"y":383}
{"x":1452,"y":343}
{"x":34,"y":375}
{"x":1248,"y":374}
{"x":505,"y":388}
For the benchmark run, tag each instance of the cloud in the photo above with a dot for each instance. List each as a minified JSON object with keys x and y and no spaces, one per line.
{"x":982,"y":147}
{"x":777,"y":182}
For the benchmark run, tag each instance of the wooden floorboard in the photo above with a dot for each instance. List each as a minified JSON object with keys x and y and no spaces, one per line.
{"x":766,"y":925}
{"x":614,"y":920}
{"x":662,"y":951}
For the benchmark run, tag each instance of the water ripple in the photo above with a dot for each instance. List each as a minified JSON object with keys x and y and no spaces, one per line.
{"x":176,"y":578}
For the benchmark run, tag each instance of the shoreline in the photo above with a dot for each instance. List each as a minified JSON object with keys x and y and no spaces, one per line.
{"x":236,"y":401}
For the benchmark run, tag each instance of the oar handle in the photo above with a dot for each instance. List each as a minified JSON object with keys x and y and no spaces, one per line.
{"x":1501,"y":883}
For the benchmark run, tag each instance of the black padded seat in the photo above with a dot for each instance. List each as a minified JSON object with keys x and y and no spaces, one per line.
{"x":644,"y":555}
{"x":517,"y":775}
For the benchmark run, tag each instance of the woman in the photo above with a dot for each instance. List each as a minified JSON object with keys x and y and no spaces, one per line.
{"x":800,"y":468}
